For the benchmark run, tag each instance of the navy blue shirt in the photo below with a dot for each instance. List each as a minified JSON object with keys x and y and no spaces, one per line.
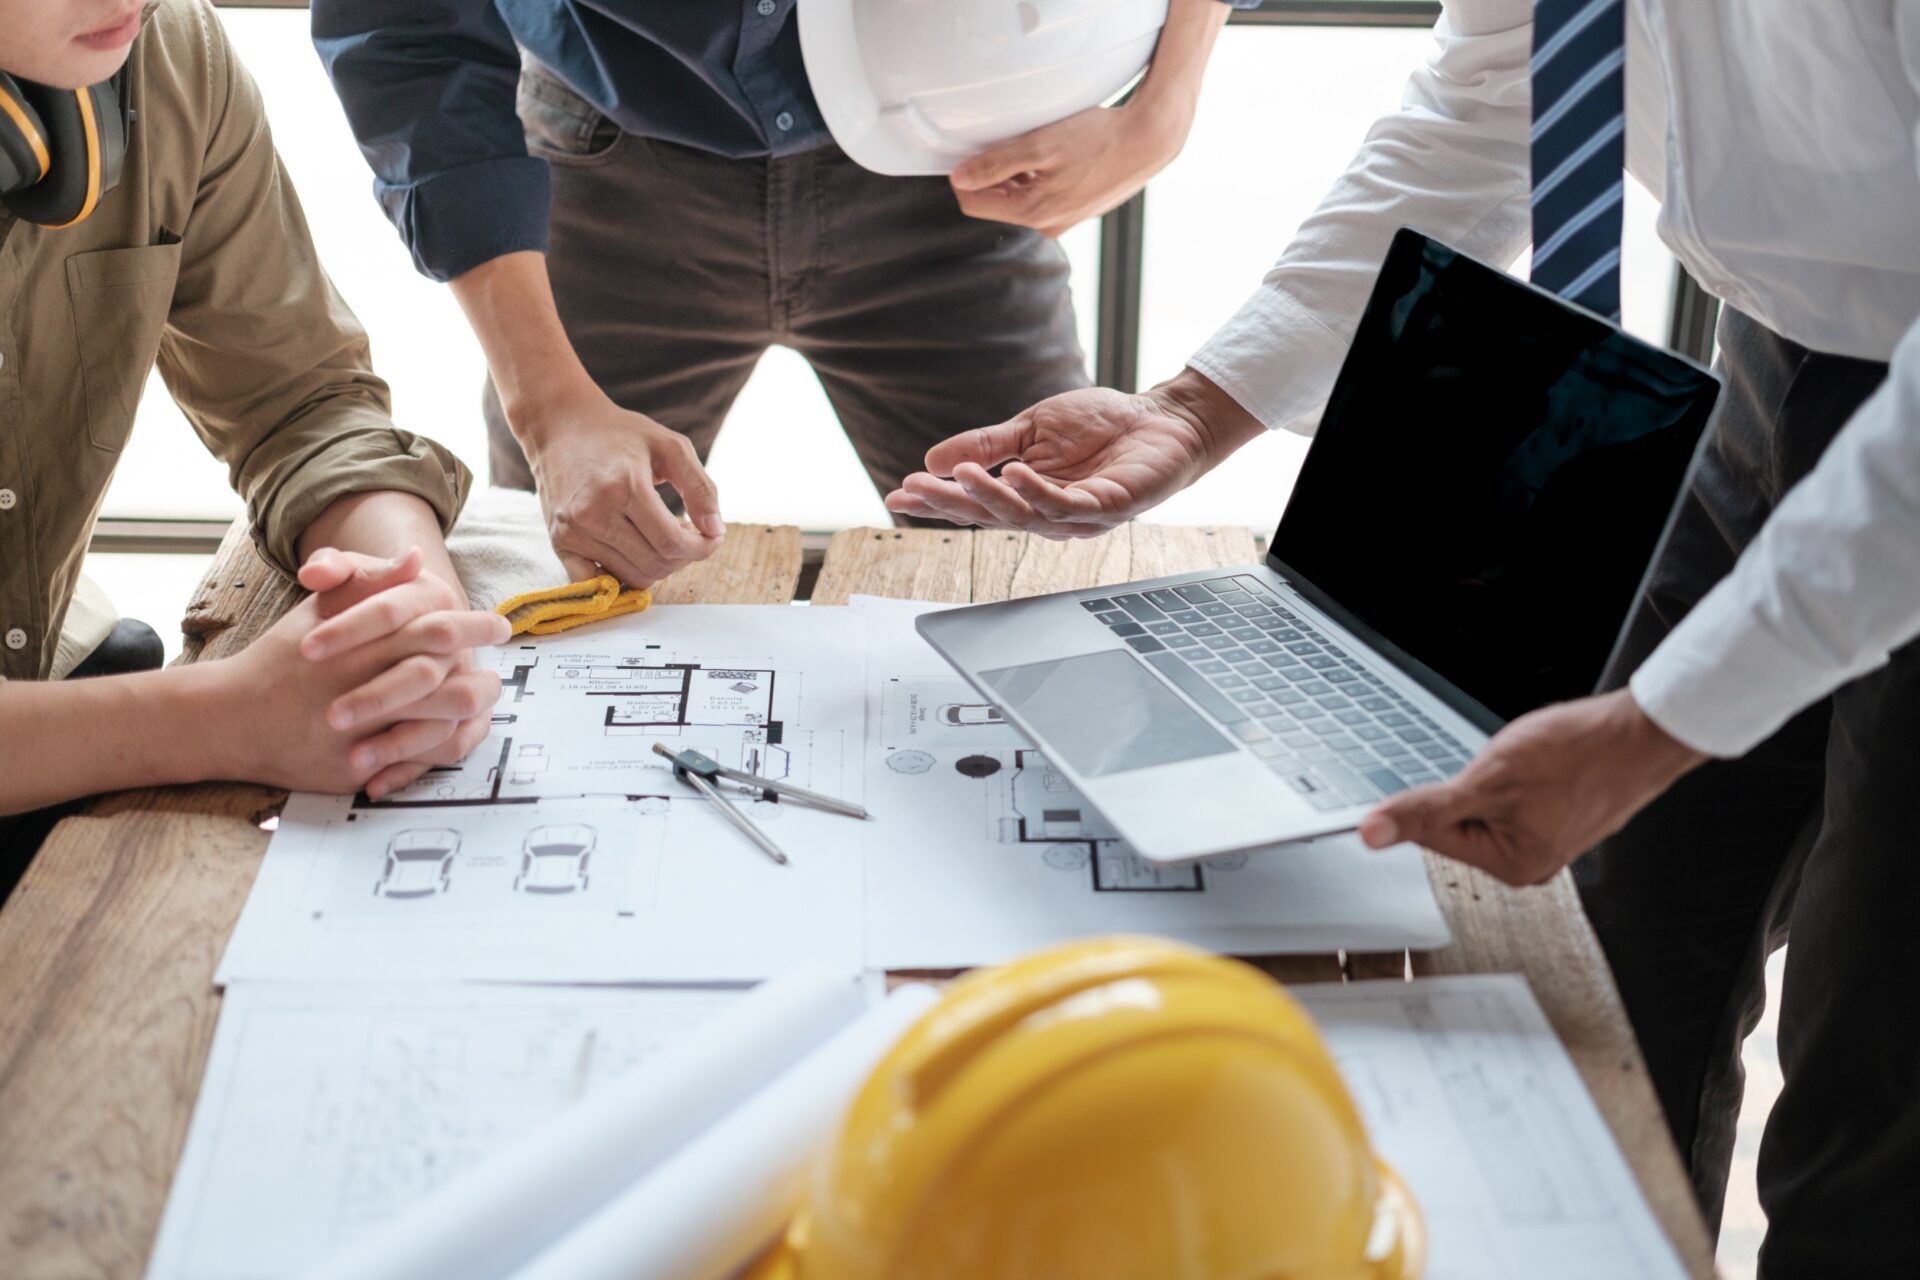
{"x":429,"y":87}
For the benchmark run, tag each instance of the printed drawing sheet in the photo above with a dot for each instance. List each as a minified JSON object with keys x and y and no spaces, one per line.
{"x":1002,"y":855}
{"x":565,"y":850}
{"x":328,"y":1109}
{"x":1469,"y":1095}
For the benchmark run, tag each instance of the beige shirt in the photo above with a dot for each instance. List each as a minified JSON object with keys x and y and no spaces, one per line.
{"x":200,"y":260}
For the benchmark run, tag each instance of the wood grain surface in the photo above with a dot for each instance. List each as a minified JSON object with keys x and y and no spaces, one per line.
{"x":108,"y":947}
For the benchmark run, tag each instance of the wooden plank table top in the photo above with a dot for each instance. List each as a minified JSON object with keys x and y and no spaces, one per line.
{"x":108,"y":945}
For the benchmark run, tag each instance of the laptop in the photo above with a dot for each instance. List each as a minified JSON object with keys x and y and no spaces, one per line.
{"x":1476,"y":515}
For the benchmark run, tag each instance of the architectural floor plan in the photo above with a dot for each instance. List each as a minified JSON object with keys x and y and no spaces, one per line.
{"x":1468,"y":1093}
{"x":330,"y":1108}
{"x":560,"y":728}
{"x":564,"y":849}
{"x":1004,"y":855}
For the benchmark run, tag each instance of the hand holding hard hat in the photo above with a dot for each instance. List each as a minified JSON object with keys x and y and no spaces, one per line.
{"x":1004,"y":95}
{"x":1125,"y":1109}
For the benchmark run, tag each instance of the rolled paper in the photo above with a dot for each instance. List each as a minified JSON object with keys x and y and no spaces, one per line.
{"x":494,"y":1218}
{"x":719,"y":1201}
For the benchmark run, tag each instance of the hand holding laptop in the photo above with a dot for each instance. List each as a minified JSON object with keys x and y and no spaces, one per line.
{"x":1543,"y":791}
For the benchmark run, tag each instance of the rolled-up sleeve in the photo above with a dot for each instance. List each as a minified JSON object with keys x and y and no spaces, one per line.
{"x":1452,"y":163}
{"x":264,"y":357}
{"x":428,"y":87}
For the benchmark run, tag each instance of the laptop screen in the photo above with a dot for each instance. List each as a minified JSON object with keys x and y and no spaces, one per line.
{"x":1491,"y":477}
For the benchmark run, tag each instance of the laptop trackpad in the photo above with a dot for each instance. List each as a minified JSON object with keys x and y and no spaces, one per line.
{"x":1105,"y":713}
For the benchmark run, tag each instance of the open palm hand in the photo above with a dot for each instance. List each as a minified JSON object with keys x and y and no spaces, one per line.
{"x":1076,"y":465}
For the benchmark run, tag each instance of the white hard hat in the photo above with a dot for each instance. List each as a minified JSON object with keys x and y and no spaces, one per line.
{"x":917,"y":86}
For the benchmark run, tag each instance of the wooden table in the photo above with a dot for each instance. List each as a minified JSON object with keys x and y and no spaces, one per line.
{"x":108,"y":946}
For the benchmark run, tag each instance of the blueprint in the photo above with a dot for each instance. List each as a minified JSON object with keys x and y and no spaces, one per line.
{"x":1004,"y":856}
{"x":328,"y":1109}
{"x":1468,"y":1093}
{"x":564,"y":849}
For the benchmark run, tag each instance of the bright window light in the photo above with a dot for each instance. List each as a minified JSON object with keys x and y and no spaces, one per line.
{"x":1282,"y":113}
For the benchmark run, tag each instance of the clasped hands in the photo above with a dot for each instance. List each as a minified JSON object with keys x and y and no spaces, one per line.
{"x":366,"y":684}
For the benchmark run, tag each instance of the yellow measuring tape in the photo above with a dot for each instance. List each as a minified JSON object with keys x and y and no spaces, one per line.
{"x":557,"y":609}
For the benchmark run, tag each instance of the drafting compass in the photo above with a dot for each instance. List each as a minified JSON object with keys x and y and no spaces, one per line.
{"x":699,"y":772}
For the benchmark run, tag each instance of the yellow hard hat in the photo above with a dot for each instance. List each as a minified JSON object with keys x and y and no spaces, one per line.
{"x":1106,"y":1110}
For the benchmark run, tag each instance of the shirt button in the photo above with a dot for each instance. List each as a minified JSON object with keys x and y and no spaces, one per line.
{"x":765,"y":8}
{"x":16,"y":639}
{"x":783,"y":121}
{"x":7,"y":499}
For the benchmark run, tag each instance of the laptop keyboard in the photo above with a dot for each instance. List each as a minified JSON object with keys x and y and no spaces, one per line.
{"x":1336,"y":732}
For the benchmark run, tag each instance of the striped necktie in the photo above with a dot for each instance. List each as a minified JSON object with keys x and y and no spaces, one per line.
{"x":1579,"y":149}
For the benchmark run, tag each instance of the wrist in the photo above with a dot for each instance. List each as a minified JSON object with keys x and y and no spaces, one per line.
{"x":1219,"y":423}
{"x":205,"y":705}
{"x":1160,"y":116}
{"x":539,"y":408}
{"x":1663,"y":756}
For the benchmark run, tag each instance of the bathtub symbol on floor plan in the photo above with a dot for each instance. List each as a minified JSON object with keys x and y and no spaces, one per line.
{"x":419,"y":863}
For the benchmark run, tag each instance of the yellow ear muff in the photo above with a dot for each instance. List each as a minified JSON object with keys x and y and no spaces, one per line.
{"x":90,"y":130}
{"x":61,"y":150}
{"x":26,"y":126}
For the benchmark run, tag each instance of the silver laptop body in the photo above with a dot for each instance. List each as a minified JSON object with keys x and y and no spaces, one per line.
{"x":1247,"y":718}
{"x":1493,"y":474}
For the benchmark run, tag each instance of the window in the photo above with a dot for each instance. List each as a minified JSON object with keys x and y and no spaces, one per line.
{"x":1283,"y":110}
{"x":781,"y":459}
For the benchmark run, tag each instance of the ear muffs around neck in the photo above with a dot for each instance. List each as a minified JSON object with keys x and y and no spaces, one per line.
{"x":60,"y":149}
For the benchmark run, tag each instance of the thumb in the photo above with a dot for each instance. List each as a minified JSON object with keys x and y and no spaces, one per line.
{"x":697,"y":490}
{"x":1424,"y":815}
{"x":984,"y":446}
{"x":350,"y":583}
{"x":324,"y":570}
{"x":991,"y":168}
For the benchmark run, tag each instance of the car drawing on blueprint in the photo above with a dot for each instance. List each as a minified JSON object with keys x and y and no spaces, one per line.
{"x":419,"y":863}
{"x":971,"y":713}
{"x":554,"y":858}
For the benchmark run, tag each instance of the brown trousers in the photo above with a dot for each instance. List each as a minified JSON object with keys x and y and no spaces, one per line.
{"x":674,"y":269}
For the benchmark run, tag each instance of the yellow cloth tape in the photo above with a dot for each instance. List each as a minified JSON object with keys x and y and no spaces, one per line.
{"x":557,"y":609}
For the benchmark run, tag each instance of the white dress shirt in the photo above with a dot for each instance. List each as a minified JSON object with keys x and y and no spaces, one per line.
{"x":1783,"y":140}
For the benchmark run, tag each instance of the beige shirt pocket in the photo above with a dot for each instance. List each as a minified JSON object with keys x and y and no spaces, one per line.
{"x":121,"y":298}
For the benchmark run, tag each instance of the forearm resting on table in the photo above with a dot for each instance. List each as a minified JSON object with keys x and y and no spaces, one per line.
{"x":383,"y":523}
{"x":62,"y":739}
